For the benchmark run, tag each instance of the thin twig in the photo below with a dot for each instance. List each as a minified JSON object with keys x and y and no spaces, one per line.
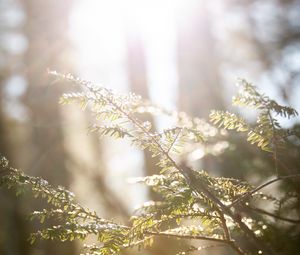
{"x":200,"y":188}
{"x":224,"y":225}
{"x":274,"y":215}
{"x":174,"y":141}
{"x":193,"y":249}
{"x":205,"y":238}
{"x":190,"y":178}
{"x":191,"y":182}
{"x":247,"y":194}
{"x":227,"y":234}
{"x":274,"y":140}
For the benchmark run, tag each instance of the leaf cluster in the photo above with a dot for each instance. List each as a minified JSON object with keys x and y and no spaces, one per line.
{"x":193,"y":205}
{"x":267,"y":133}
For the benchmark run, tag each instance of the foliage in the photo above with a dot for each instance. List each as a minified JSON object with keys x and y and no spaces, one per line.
{"x":194,"y":205}
{"x":267,"y":133}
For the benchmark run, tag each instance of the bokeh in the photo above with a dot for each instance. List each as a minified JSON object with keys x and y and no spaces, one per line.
{"x":180,"y":54}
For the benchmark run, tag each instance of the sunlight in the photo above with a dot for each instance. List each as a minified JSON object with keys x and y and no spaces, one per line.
{"x":99,"y":30}
{"x":102,"y":16}
{"x":98,"y":39}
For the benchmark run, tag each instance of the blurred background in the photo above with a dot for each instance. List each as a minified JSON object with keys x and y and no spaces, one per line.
{"x":181,"y":54}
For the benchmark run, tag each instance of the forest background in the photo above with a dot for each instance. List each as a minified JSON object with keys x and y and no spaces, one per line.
{"x":182,"y":55}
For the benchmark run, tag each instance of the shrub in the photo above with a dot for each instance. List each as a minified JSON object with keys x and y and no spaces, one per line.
{"x":219,"y":210}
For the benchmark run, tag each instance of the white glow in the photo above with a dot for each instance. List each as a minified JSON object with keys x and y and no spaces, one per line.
{"x":98,"y":40}
{"x":99,"y":31}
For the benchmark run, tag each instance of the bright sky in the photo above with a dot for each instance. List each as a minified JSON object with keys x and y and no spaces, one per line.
{"x":98,"y":30}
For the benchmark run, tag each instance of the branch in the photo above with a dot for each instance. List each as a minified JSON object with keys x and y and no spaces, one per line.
{"x":224,"y":225}
{"x":205,"y":238}
{"x":195,"y":249}
{"x":247,"y":194}
{"x":201,"y":189}
{"x":227,"y":234}
{"x":274,"y":142}
{"x":174,"y":141}
{"x":191,"y":180}
{"x":274,"y":215}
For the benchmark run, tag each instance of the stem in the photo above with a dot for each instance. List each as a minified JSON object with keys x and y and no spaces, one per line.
{"x":205,"y":238}
{"x":274,"y":215}
{"x":274,"y":140}
{"x":247,"y":194}
{"x":224,"y":225}
{"x":175,"y":139}
{"x":190,"y":179}
{"x":233,"y":245}
{"x":237,"y":248}
{"x":201,"y":189}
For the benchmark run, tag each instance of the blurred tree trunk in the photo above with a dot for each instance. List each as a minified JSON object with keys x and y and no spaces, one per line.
{"x":137,"y":72}
{"x":46,"y":29}
{"x":200,"y":88}
{"x":14,"y":229}
{"x":199,"y":78}
{"x":88,"y":166}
